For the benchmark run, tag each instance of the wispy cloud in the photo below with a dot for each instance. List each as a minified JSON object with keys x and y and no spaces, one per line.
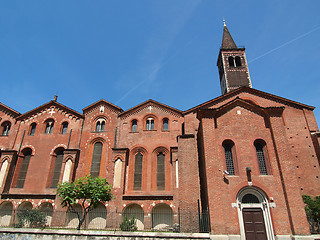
{"x":155,"y":55}
{"x":285,"y":44}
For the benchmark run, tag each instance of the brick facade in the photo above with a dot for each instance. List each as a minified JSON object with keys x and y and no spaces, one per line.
{"x":193,"y":175}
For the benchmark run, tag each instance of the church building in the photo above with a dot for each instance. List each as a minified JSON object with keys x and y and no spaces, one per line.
{"x":244,"y":158}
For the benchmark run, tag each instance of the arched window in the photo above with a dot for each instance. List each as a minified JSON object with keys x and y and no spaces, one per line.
{"x":238,"y":61}
{"x":64,"y":128}
{"x":160,"y":172}
{"x":57,"y":167}
{"x":231,"y":61}
{"x":32,"y":129}
{"x":250,"y":198}
{"x":103,"y":123}
{"x":261,"y":155}
{"x":150,"y":124}
{"x":134,"y":126}
{"x":229,"y":155}
{"x":165,"y":124}
{"x":137,"y":178}
{"x":24,"y":167}
{"x":6,"y":128}
{"x":49,"y":126}
{"x":100,"y":125}
{"x":96,"y":159}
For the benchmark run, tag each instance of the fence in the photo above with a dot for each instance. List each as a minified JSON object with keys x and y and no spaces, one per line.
{"x":129,"y":220}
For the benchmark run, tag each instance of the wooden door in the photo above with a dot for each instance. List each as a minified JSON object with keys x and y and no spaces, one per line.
{"x":254,"y":225}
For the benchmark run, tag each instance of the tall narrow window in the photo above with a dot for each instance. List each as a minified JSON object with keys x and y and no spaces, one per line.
{"x":150,"y":124}
{"x":134,"y":126}
{"x":260,"y":149}
{"x":100,"y":125}
{"x":24,"y":168}
{"x":32,"y":129}
{"x":96,"y":159}
{"x":165,"y":124}
{"x":238,"y":61}
{"x":103,"y":123}
{"x":49,"y":126}
{"x":137,"y":178}
{"x":57,"y":168}
{"x":231,"y":61}
{"x":228,"y":147}
{"x":6,"y":128}
{"x":64,"y":128}
{"x":161,"y":171}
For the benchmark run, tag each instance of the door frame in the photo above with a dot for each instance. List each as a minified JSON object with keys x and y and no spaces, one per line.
{"x":264,"y":205}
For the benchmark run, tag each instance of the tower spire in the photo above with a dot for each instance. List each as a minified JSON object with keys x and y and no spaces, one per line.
{"x":227,"y":40}
{"x":232,"y":64}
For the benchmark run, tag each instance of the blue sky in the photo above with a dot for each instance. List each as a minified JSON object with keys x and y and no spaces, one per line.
{"x":128,"y":51}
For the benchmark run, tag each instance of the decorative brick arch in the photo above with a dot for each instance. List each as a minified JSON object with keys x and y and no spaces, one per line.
{"x":138,"y":148}
{"x":26,"y":201}
{"x":68,"y":157}
{"x":5,"y":158}
{"x":49,"y":118}
{"x":56,"y":147}
{"x":118,"y":156}
{"x":157,"y":202}
{"x":29,"y":146}
{"x":46,"y":201}
{"x":155,"y":118}
{"x":103,"y":138}
{"x":159,"y":149}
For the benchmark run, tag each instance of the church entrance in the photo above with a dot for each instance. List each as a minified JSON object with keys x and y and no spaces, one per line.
{"x":254,"y":225}
{"x":254,"y":215}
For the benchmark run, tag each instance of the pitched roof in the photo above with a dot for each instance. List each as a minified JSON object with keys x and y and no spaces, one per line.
{"x":112,"y":106}
{"x":12,"y":112}
{"x":148,"y":102}
{"x":52,"y":102}
{"x":253,"y":92}
{"x":227,"y":40}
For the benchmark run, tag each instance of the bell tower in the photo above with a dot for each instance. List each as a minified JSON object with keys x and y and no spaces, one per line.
{"x":232,"y":64}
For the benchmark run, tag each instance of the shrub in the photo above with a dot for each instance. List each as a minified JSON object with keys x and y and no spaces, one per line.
{"x":31,"y":218}
{"x":128,"y":224}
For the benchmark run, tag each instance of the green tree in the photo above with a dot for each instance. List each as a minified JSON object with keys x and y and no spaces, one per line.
{"x":86,"y":191}
{"x":312,"y":207}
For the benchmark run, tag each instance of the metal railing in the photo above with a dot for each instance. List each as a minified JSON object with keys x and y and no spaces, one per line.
{"x":116,"y":221}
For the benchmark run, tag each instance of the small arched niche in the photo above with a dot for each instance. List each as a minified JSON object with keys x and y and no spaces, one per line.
{"x":134,"y":211}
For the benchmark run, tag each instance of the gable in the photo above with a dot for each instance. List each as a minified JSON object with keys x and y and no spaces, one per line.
{"x":261,"y":98}
{"x":151,"y":107}
{"x":239,"y":118}
{"x":9,"y":112}
{"x":237,"y":103}
{"x":101,"y":106}
{"x":51,"y":108}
